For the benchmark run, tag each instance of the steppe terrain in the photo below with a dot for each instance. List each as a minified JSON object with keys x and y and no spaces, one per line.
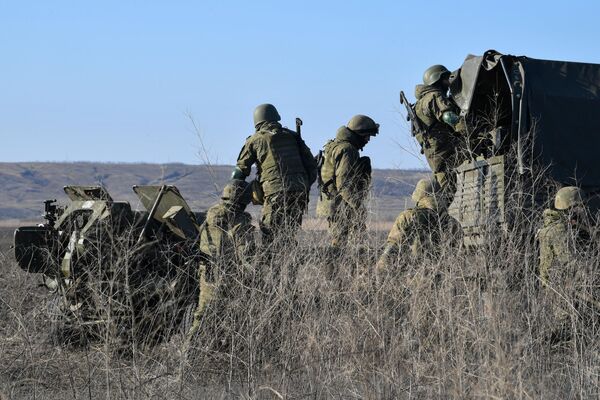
{"x":312,"y":324}
{"x":26,"y":185}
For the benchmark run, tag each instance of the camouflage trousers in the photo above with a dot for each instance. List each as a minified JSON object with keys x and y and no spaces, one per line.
{"x":443,"y":159}
{"x":207,"y":293}
{"x":282,"y":216}
{"x":346,"y":224}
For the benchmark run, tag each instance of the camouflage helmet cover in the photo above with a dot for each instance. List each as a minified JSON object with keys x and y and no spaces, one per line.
{"x":434,"y":74}
{"x":568,"y":197}
{"x":426,"y":188}
{"x":266,"y":113}
{"x":363,"y":125}
{"x":237,"y":191}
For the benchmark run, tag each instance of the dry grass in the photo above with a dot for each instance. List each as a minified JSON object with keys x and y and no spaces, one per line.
{"x":458,"y":325}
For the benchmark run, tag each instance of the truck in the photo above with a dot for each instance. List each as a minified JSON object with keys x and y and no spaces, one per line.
{"x":541,"y":124}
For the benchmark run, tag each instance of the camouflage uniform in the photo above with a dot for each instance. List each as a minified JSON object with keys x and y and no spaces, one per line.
{"x":440,"y":142}
{"x":286,"y":169}
{"x":226,"y":239}
{"x":346,"y":178}
{"x":561,"y":240}
{"x":419,"y":231}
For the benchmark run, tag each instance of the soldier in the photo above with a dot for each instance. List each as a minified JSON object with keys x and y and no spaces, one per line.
{"x":285,"y":171}
{"x":564,"y":237}
{"x":563,"y":234}
{"x":420,"y":230}
{"x":226,"y":239}
{"x":439,"y":114}
{"x":344,"y":179}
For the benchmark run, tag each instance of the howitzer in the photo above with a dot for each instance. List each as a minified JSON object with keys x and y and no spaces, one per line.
{"x":95,"y":252}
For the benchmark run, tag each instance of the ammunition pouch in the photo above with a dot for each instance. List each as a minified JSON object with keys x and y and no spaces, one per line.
{"x":422,"y":140}
{"x":326,"y":205}
{"x":258,"y":195}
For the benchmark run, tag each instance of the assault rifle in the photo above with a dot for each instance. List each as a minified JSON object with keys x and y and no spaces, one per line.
{"x":301,"y":143}
{"x":299,"y":127}
{"x":416,"y":124}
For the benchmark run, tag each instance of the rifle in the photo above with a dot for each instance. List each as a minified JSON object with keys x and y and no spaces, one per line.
{"x":416,"y":124}
{"x":300,"y":144}
{"x":299,"y":126}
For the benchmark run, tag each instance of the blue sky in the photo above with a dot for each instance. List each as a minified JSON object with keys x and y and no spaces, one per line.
{"x":121,"y":80}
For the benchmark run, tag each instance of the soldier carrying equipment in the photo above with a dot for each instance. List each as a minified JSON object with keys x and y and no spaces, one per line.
{"x":344,"y":179}
{"x":439,"y":126}
{"x":286,"y":169}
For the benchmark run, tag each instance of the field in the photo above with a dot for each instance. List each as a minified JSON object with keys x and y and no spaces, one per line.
{"x":312,"y":324}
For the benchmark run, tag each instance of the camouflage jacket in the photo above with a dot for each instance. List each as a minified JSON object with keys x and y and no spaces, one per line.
{"x":284,"y":162}
{"x":559,"y":245}
{"x":420,"y":231}
{"x":344,"y":172}
{"x":430,"y":106}
{"x":227,"y":233}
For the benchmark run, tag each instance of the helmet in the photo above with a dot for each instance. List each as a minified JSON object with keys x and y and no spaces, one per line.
{"x":236,"y":191}
{"x":426,"y":188}
{"x":363,"y":125}
{"x":434,"y":74}
{"x":568,"y":197}
{"x":266,"y":113}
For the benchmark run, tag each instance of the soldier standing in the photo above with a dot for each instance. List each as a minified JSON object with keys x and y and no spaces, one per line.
{"x":419,"y":231}
{"x":440,"y":141}
{"x":344,"y":179}
{"x":286,"y":169}
{"x":226,"y":239}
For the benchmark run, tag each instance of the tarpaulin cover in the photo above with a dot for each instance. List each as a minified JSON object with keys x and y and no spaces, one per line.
{"x":563,"y":105}
{"x":563,"y":99}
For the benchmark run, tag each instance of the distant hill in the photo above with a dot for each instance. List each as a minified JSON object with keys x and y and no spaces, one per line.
{"x":25,"y":185}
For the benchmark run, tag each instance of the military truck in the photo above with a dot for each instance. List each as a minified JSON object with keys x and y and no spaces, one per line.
{"x":115,"y":271}
{"x":533,"y":125}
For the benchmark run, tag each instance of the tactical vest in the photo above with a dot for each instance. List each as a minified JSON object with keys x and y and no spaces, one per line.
{"x":282,"y":168}
{"x":437,"y":133}
{"x":327,"y":172}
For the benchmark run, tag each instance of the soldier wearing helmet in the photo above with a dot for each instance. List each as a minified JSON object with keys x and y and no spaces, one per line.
{"x":563,"y":233}
{"x":440,"y":141}
{"x":286,"y":169}
{"x":226,"y":240}
{"x":563,"y":239}
{"x":344,"y":179}
{"x":419,"y":231}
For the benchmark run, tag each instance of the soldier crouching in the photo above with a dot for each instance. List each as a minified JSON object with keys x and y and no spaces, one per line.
{"x":420,"y":231}
{"x":227,"y":240}
{"x":566,"y":277}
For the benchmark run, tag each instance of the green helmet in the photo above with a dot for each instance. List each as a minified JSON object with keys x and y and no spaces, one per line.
{"x":568,"y":197}
{"x":434,"y":74}
{"x":363,"y":125}
{"x":237,"y":191}
{"x":266,"y":113}
{"x":426,"y":188}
